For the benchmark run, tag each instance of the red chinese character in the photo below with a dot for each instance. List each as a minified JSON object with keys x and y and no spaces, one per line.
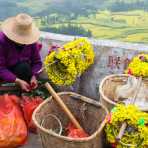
{"x":110,"y":61}
{"x":126,"y":63}
{"x":117,"y":62}
{"x":114,"y":62}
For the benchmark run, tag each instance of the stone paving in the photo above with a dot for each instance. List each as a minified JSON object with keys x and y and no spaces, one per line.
{"x":33,"y":142}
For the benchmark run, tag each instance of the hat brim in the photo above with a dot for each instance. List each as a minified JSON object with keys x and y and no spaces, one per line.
{"x":28,"y":38}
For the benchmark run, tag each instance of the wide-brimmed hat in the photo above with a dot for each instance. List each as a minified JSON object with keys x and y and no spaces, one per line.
{"x":21,"y":29}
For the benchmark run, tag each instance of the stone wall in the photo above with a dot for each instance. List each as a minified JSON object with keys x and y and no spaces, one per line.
{"x":110,"y":57}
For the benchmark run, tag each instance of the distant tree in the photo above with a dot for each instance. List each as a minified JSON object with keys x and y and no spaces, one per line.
{"x":9,"y":8}
{"x":71,"y":9}
{"x":123,"y":5}
{"x":69,"y":30}
{"x":68,"y":9}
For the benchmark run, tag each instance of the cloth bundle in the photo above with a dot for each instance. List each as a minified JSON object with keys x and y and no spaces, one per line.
{"x":126,"y":93}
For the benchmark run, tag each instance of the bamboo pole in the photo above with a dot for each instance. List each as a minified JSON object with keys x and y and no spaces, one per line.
{"x":63,"y":106}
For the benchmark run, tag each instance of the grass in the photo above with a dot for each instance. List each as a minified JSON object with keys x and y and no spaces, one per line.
{"x":141,"y":37}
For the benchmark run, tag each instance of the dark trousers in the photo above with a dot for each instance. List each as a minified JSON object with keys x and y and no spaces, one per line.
{"x":22,"y":70}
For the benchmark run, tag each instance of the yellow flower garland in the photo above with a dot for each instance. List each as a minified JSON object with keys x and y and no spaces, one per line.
{"x":67,"y":63}
{"x":139,"y":66}
{"x":137,"y":130}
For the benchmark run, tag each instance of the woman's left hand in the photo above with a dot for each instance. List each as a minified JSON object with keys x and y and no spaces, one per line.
{"x":34,"y":82}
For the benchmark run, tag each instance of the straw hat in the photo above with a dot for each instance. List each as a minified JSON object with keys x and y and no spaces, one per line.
{"x":21,"y":29}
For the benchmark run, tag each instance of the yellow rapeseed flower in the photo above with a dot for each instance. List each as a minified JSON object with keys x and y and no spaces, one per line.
{"x":139,"y":66}
{"x":137,"y":131}
{"x":67,"y":63}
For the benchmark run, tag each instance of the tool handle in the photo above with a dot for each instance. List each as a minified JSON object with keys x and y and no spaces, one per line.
{"x":124,"y":125}
{"x":63,"y":106}
{"x":121,"y":132}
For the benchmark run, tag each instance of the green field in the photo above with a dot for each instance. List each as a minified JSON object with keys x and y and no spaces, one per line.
{"x":129,"y":26}
{"x":124,"y":20}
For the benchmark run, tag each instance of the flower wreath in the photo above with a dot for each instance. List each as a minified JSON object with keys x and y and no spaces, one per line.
{"x":136,"y":134}
{"x":65,"y":64}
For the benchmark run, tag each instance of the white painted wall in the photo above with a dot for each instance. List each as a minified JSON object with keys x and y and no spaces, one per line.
{"x":106,"y":50}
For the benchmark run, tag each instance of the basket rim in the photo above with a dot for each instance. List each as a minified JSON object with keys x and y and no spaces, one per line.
{"x":112,"y":76}
{"x":64,"y":137}
{"x":102,"y":83}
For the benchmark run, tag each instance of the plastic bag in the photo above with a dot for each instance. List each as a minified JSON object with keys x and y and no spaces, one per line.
{"x":29,"y":104}
{"x":73,"y":132}
{"x":126,"y":91}
{"x":13,"y":130}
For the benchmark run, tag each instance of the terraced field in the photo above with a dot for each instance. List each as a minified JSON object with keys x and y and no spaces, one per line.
{"x":125,"y":26}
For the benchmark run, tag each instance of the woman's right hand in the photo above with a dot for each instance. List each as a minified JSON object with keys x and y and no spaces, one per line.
{"x":23,"y":84}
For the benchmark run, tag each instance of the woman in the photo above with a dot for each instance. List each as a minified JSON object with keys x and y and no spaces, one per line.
{"x":20,"y":60}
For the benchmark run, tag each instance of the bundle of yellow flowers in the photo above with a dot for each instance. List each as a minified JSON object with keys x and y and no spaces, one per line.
{"x":68,"y":62}
{"x":136,"y":133}
{"x":139,"y":66}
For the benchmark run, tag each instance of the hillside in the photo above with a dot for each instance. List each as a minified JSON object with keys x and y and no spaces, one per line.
{"x":68,"y":7}
{"x":125,"y":20}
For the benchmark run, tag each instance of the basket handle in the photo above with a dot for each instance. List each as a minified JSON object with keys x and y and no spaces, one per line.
{"x":63,"y":106}
{"x":56,"y":118}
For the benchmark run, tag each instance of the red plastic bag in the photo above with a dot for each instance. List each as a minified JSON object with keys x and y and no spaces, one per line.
{"x":73,"y":132}
{"x":29,"y":104}
{"x":13,"y":130}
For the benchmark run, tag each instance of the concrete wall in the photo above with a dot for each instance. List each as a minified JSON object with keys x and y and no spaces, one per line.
{"x":110,"y":57}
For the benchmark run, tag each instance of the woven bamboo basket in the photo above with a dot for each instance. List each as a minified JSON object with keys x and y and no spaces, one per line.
{"x":91,"y":115}
{"x":108,"y":86}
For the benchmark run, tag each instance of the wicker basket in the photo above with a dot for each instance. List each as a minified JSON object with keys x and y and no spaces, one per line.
{"x":89,"y":113}
{"x":108,"y":86}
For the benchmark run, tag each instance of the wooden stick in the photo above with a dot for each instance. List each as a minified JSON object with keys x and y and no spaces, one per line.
{"x":124,"y":125}
{"x":43,"y":68}
{"x":63,"y":106}
{"x":137,"y":90}
{"x":121,"y":132}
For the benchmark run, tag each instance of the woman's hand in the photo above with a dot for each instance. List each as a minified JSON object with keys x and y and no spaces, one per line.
{"x":34,"y":82}
{"x":23,"y":84}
